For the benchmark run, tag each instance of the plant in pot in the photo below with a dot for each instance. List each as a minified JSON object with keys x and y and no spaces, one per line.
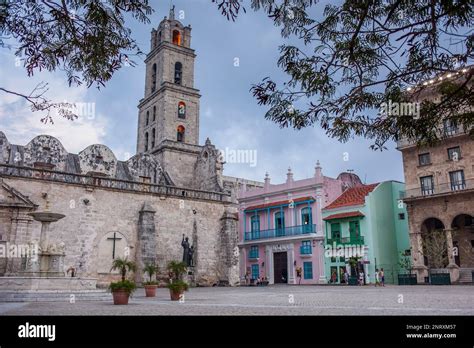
{"x":150,"y":285}
{"x":122,"y":289}
{"x":354,"y":277}
{"x":177,"y":285}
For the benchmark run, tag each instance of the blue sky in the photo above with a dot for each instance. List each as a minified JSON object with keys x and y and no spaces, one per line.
{"x":229,"y":114}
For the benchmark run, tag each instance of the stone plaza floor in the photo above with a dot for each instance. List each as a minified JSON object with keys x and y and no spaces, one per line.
{"x":273,"y":300}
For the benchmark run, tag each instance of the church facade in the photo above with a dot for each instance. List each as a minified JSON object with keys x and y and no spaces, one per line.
{"x":141,"y":207}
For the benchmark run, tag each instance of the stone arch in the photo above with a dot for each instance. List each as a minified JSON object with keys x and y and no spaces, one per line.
{"x":177,"y":37}
{"x":45,"y":151}
{"x":434,"y":243}
{"x":432,"y":223}
{"x":108,"y":251}
{"x":98,"y":159}
{"x":462,"y":226}
{"x":180,"y":133}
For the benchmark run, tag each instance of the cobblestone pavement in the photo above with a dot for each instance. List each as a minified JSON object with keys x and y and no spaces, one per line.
{"x":274,"y":300}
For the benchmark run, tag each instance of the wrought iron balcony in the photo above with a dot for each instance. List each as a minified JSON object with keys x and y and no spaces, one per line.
{"x":445,"y":188}
{"x":443,"y":132}
{"x":280,"y":232}
{"x":354,"y":240}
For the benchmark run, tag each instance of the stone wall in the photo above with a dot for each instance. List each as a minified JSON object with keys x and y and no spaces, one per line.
{"x":440,"y":164}
{"x":92,"y":214}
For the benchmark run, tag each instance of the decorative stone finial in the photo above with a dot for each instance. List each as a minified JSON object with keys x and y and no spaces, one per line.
{"x":289,"y":175}
{"x":267,"y":180}
{"x":317,"y":169}
{"x":172,"y":13}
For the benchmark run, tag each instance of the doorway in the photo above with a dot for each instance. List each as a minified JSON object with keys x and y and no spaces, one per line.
{"x":280,"y":267}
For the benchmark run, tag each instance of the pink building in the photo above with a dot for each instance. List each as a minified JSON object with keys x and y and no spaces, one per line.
{"x":281,"y":228}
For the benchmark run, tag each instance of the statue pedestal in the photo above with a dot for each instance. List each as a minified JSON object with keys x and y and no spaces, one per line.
{"x":453,"y":272}
{"x":190,"y":276}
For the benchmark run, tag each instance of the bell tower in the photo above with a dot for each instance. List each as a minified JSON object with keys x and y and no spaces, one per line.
{"x":169,"y":111}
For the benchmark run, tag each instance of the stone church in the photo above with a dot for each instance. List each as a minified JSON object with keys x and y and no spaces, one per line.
{"x":139,"y":208}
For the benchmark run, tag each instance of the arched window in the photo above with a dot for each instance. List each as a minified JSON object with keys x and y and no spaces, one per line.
{"x":153,"y":135}
{"x":181,"y":110}
{"x":146,"y":141}
{"x":159,"y":37}
{"x":306,"y":220}
{"x":153,"y":78}
{"x":180,"y":133}
{"x":147,"y":121}
{"x":178,"y":72}
{"x":154,"y":113}
{"x":177,"y":37}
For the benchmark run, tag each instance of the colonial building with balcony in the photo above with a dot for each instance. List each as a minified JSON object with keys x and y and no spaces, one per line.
{"x":367,"y":225}
{"x":440,"y":198}
{"x":281,"y":234}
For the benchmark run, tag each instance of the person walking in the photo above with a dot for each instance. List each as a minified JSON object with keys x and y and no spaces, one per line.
{"x":346,"y":277}
{"x":361,"y":278}
{"x":382,"y":277}
{"x":298,"y":274}
{"x":377,"y":279}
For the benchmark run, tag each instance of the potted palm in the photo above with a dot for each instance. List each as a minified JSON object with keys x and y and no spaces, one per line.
{"x":354,"y":277}
{"x":122,"y":290}
{"x":177,"y":285}
{"x":150,"y":285}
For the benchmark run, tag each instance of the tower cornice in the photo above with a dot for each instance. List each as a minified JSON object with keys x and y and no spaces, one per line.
{"x":173,"y":87}
{"x":180,"y":49}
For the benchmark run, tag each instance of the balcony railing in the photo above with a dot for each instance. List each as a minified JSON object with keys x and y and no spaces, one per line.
{"x":7,"y":170}
{"x":355,"y":240}
{"x":306,"y":250}
{"x":450,"y":187}
{"x":280,"y":232}
{"x":443,"y":132}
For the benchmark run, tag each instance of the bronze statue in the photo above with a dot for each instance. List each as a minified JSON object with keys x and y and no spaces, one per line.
{"x":190,"y":256}
{"x":185,"y":245}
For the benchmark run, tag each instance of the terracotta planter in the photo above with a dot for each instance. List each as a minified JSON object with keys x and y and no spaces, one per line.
{"x":120,"y":297}
{"x":175,"y":295}
{"x":150,"y":290}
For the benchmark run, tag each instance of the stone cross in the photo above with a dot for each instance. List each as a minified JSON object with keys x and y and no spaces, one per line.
{"x":113,"y":240}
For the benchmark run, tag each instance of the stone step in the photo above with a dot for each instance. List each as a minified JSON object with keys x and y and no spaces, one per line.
{"x":465,"y":276}
{"x":54,"y":296}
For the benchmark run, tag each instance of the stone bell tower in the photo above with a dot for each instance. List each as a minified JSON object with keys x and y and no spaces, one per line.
{"x":169,"y":110}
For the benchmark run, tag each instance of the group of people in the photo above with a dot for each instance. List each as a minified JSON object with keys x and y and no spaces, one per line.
{"x":379,"y":277}
{"x":251,"y":281}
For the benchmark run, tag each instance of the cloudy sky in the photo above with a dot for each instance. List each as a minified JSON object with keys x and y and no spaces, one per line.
{"x":229,"y":114}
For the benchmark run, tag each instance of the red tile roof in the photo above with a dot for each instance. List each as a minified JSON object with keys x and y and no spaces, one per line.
{"x":352,"y":196}
{"x":343,"y":215}
{"x":273,"y":204}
